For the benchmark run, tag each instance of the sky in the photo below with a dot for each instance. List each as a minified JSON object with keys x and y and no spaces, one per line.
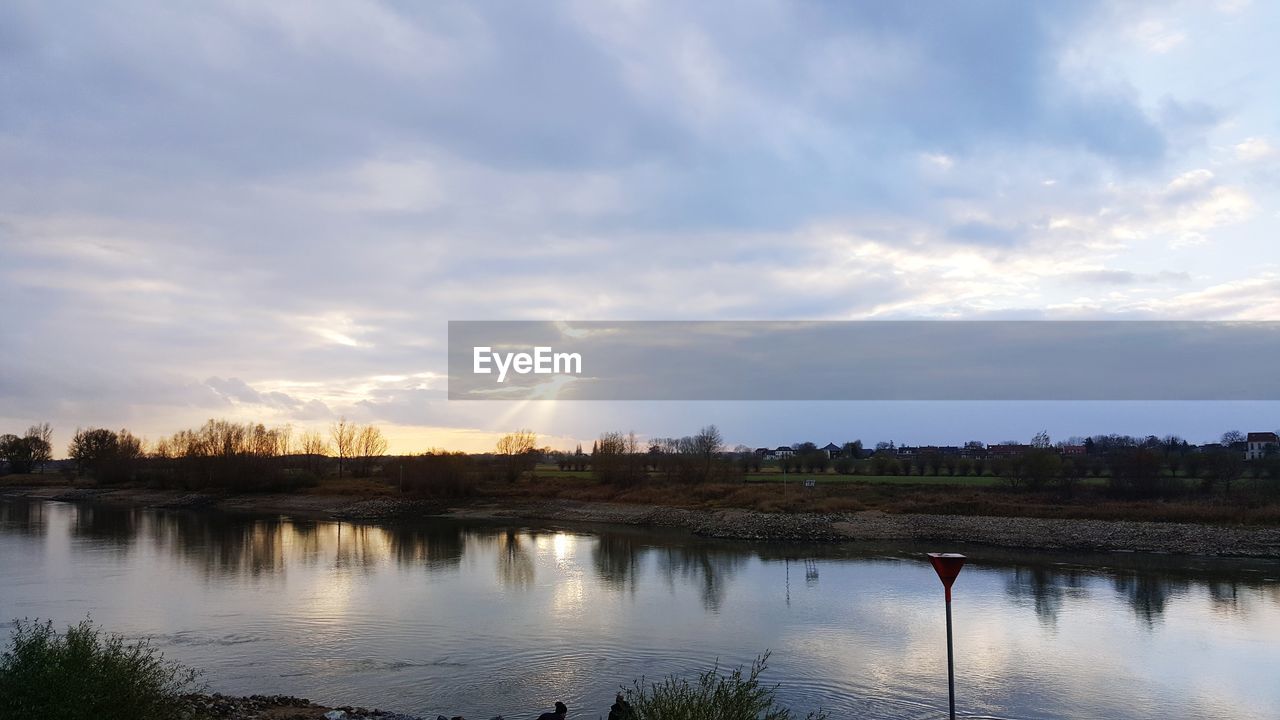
{"x":270,"y":211}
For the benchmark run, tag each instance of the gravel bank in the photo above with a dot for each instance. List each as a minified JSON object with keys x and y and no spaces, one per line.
{"x":286,"y":707}
{"x":281,"y":707}
{"x":1029,"y":533}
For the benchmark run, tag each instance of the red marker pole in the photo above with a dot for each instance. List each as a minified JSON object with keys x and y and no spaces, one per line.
{"x":948,"y":565}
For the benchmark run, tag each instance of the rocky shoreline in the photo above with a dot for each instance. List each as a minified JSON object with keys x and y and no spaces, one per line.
{"x":1016,"y":532}
{"x":284,"y":707}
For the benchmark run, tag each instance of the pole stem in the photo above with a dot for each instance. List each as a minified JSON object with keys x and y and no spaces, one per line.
{"x":951,"y":667}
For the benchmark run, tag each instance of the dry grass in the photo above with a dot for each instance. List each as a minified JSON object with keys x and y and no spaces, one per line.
{"x":1250,"y":503}
{"x":1245,"y":507}
{"x":48,"y":479}
{"x":364,"y":487}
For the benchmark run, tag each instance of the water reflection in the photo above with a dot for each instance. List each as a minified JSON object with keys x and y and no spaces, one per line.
{"x":114,"y":526}
{"x":26,"y":518}
{"x":361,"y":612}
{"x":515,"y":565}
{"x":708,"y":567}
{"x":225,"y":545}
{"x":616,"y":558}
{"x":438,"y":547}
{"x":1045,"y":589}
{"x":220,"y":546}
{"x":1148,"y":595}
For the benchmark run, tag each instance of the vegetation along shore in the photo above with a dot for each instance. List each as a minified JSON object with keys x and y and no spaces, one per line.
{"x":83,"y":672}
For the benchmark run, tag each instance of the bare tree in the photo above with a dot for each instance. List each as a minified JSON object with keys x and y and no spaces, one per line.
{"x":518,"y":442}
{"x":313,"y":445}
{"x":343,"y":435}
{"x":707,"y":444}
{"x":369,"y":444}
{"x":618,"y":459}
{"x":41,"y":439}
{"x":284,"y":440}
{"x":519,"y":452}
{"x":262,"y":442}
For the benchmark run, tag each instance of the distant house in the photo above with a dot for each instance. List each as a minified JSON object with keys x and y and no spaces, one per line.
{"x":1007,"y":450}
{"x":1259,"y":444}
{"x":831,"y":449}
{"x":783,"y":451}
{"x":1072,"y":449}
{"x":764,"y":453}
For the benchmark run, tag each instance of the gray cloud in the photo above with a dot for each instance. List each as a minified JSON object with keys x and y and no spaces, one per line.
{"x":1126,"y":277}
{"x":265,"y":208}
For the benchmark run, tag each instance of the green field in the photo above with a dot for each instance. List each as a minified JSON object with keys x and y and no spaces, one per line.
{"x":828,"y":478}
{"x":834,"y":479}
{"x":831,"y":478}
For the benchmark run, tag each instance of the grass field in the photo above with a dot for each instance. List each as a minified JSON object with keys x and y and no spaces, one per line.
{"x":828,"y":478}
{"x":834,"y":479}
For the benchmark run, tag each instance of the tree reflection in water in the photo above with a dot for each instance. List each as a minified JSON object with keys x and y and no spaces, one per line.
{"x":24,"y":518}
{"x":1045,"y":588}
{"x":617,"y":560}
{"x":223,"y":546}
{"x":515,"y":565}
{"x":711,"y":568}
{"x":1148,"y":594}
{"x":438,"y":547}
{"x":117,"y":526}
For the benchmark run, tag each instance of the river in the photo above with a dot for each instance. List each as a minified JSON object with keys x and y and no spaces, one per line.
{"x":479,"y":619}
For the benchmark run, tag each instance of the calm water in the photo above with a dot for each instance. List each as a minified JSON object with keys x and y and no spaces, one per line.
{"x":485,"y":619}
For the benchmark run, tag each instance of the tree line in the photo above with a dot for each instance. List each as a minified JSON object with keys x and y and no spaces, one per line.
{"x":1131,"y":466}
{"x":29,"y":451}
{"x":253,"y":456}
{"x":621,"y":459}
{"x":218,"y":454}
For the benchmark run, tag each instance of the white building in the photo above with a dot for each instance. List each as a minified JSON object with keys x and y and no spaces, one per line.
{"x":1258,"y":444}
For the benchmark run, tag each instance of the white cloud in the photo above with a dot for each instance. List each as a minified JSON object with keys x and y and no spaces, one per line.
{"x":1157,"y":37}
{"x":1254,"y":149}
{"x":938,"y":161}
{"x":1249,"y":298}
{"x":1184,"y":212}
{"x":1232,"y":7}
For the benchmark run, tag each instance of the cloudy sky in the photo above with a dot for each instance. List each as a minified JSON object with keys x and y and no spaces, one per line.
{"x":271,"y":210}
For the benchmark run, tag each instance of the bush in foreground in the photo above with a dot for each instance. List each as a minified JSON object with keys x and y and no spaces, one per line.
{"x":82,"y":674}
{"x":711,"y":697}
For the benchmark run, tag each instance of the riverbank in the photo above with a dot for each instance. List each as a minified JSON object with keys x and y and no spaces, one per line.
{"x":278,"y":707}
{"x":1019,"y":532}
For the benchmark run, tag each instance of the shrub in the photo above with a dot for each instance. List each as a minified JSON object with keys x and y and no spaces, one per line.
{"x":440,"y":474}
{"x":711,"y":697}
{"x":82,"y":674}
